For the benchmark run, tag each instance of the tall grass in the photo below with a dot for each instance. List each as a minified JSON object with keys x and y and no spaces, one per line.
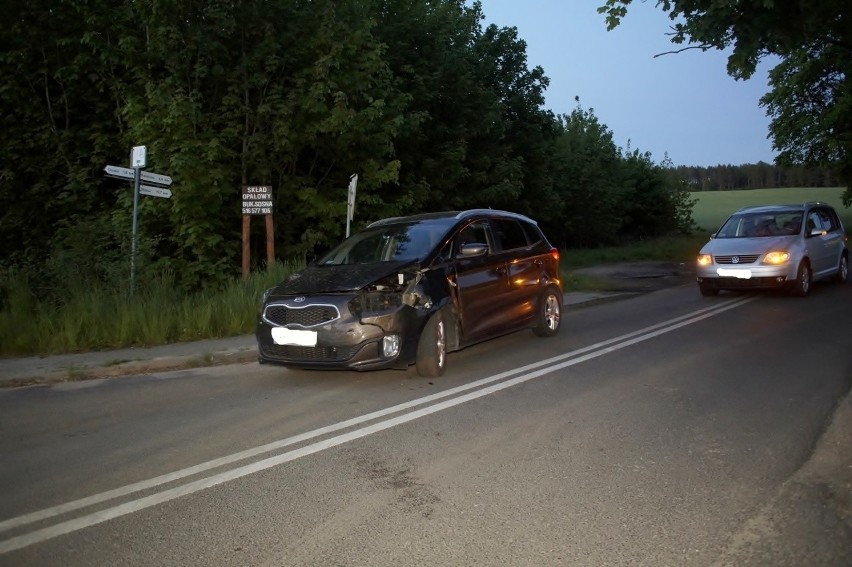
{"x":97,"y":318}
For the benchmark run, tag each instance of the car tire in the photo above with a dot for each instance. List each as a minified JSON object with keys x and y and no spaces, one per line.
{"x":708,"y":290}
{"x":549,"y":313}
{"x":802,"y":284}
{"x":432,"y":347}
{"x":842,"y":270}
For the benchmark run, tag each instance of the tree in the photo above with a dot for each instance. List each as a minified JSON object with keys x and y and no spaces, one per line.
{"x":810,"y":102}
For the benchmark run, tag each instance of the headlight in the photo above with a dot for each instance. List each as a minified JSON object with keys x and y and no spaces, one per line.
{"x":776,"y":257}
{"x":705,"y":259}
{"x":375,"y":302}
{"x":265,"y":295}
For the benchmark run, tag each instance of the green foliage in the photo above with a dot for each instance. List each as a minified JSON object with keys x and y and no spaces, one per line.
{"x":810,"y":100}
{"x":606,"y":197}
{"x":429,"y":108}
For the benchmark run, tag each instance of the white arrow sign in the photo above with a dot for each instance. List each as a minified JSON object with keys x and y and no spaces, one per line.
{"x":155,"y":191}
{"x":128,"y":173}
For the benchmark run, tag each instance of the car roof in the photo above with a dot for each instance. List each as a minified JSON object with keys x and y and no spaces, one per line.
{"x":776,"y":208}
{"x":452,"y":215}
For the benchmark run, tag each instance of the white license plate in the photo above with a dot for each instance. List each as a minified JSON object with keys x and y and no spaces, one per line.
{"x":296,"y":337}
{"x":742,"y":274}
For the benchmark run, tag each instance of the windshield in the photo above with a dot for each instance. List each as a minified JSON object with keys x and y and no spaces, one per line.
{"x":392,"y":243}
{"x":751,"y":225}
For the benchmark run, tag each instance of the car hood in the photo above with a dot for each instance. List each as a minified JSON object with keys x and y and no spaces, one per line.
{"x":761,"y":245}
{"x":329,"y":279}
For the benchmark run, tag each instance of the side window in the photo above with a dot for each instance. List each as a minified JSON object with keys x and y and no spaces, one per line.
{"x":533,"y":233}
{"x":813,"y":222}
{"x":508,"y":234}
{"x":474,"y":233}
{"x":829,"y":221}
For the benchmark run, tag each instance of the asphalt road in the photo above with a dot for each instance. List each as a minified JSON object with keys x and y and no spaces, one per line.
{"x":664,"y":429}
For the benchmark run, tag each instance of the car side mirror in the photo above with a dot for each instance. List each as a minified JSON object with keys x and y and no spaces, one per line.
{"x":473,"y":249}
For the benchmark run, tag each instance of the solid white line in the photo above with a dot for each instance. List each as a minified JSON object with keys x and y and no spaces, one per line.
{"x":192,"y":487}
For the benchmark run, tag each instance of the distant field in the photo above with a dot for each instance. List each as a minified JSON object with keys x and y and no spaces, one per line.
{"x":713,"y":207}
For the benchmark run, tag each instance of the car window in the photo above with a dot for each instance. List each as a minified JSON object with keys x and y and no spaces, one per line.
{"x":789,"y":222}
{"x":829,"y":221}
{"x":508,"y":234}
{"x":474,"y":233}
{"x":760,"y":224}
{"x":393,"y":243}
{"x":533,"y":233}
{"x":813,"y":223}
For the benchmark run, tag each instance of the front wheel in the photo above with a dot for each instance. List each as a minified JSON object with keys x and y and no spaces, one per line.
{"x":432,"y":348}
{"x":802,"y":285}
{"x":549,"y":313}
{"x":842,"y":270}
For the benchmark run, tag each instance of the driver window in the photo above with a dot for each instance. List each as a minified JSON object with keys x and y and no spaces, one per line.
{"x":813,"y":222}
{"x":474,"y":233}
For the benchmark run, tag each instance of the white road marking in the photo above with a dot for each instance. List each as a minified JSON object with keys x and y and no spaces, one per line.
{"x":482,"y":388}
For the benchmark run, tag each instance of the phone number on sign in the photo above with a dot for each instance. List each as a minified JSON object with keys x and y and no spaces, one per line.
{"x":257,"y":210}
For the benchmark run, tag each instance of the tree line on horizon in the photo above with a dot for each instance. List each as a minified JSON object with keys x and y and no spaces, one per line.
{"x":760,"y":175}
{"x":432,"y":110}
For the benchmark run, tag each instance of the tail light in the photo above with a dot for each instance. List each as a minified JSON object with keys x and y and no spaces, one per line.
{"x":554,"y":253}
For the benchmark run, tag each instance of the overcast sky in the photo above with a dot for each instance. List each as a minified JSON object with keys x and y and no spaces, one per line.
{"x":685,"y":105}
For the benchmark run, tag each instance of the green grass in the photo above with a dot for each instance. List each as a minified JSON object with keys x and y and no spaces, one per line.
{"x":97,"y":319}
{"x":93,"y":319}
{"x":713,"y":207}
{"x":668,"y":248}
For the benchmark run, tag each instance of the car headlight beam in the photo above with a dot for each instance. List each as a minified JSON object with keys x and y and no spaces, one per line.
{"x":776,"y":257}
{"x":704,"y":259}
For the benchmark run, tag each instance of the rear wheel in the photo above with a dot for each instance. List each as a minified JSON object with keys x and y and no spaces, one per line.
{"x":432,"y":347}
{"x":550,"y":313}
{"x":802,"y":285}
{"x":843,"y":270}
{"x":708,"y":290}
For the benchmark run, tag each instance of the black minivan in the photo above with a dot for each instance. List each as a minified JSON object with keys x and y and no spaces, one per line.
{"x":408,"y":290}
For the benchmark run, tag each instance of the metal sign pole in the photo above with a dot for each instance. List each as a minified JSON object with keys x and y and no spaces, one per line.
{"x":138,"y":160}
{"x":136,"y":181}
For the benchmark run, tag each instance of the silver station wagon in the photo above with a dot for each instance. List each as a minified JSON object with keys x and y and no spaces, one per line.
{"x":775,"y":246}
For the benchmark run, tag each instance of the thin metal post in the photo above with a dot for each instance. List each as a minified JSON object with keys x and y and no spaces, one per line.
{"x":136,"y":181}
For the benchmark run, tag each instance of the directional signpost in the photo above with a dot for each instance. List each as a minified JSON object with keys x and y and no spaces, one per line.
{"x":128,"y":173}
{"x":157,"y":187}
{"x":155,"y":191}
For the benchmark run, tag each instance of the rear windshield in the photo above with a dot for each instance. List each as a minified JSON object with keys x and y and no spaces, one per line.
{"x":392,"y":243}
{"x":750,"y":225}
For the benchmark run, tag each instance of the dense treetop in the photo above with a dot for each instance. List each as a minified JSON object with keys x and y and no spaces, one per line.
{"x":810,"y":96}
{"x":431,"y":110}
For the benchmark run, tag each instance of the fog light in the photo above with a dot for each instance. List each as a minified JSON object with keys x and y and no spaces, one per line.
{"x":390,"y":346}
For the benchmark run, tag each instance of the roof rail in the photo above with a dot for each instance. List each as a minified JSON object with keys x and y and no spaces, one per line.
{"x":473,"y":212}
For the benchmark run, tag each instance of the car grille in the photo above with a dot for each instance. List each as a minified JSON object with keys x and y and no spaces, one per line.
{"x":309,"y":354}
{"x":741,"y":259}
{"x":310,"y":316}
